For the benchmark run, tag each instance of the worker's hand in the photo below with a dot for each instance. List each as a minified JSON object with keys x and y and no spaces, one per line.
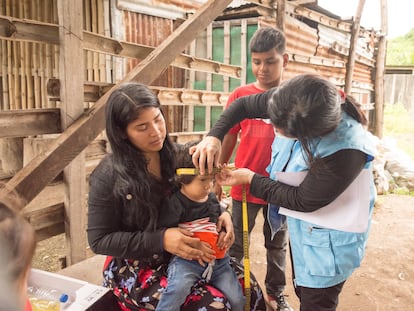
{"x":206,"y":154}
{"x":231,"y":177}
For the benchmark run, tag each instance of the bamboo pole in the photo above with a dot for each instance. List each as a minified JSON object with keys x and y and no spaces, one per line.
{"x":88,"y":27}
{"x":356,"y":25}
{"x":16,"y":58}
{"x":244,"y":51}
{"x":4,"y":74}
{"x":379,"y":74}
{"x":16,"y":80}
{"x":28,"y":60}
{"x":101,"y":31}
{"x":10,"y":74}
{"x":36,"y":62}
{"x":107,"y":33}
{"x":22,"y":63}
{"x":48,"y":61}
{"x":209,"y":79}
{"x":226,"y":56}
{"x":94,"y":25}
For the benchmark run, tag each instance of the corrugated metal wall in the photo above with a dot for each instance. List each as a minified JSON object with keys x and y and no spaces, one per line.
{"x":152,"y":31}
{"x":311,"y":50}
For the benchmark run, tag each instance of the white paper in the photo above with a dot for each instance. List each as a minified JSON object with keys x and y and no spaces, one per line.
{"x":348,"y":212}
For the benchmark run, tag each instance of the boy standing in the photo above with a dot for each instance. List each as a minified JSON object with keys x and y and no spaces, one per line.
{"x":268,"y":56}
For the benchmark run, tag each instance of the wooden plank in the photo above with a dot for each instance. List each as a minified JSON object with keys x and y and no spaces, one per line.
{"x":46,"y":212}
{"x":167,"y":96}
{"x":33,"y":31}
{"x":44,"y":168}
{"x":94,"y":42}
{"x":22,"y":123}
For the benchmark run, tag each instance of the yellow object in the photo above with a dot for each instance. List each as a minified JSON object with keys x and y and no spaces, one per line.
{"x":196,"y":171}
{"x":41,"y":304}
{"x":246,"y":260}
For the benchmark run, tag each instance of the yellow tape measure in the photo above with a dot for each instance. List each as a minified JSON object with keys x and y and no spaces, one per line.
{"x":192,"y":171}
{"x":196,"y":171}
{"x":246,"y":260}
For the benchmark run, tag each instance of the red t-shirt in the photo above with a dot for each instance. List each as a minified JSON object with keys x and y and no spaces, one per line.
{"x":28,"y":306}
{"x":256,"y":138}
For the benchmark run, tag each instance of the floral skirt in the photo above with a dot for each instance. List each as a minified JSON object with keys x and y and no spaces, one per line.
{"x":138,"y":287}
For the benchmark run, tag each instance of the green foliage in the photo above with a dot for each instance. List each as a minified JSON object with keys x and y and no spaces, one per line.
{"x":399,"y":124}
{"x":400,"y":50}
{"x":403,"y":191}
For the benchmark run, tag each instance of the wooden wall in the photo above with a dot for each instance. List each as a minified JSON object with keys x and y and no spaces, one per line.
{"x":116,"y":40}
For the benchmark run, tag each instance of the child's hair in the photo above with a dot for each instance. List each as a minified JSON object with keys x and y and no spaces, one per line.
{"x":267,"y":38}
{"x":184,"y":160}
{"x":18,"y":243}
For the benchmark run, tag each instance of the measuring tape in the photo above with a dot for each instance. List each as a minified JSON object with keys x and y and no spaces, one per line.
{"x":246,"y":260}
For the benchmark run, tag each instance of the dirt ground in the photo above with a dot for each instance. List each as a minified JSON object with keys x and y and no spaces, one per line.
{"x":384,"y":282}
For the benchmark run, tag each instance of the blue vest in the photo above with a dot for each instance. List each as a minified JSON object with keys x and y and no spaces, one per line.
{"x":324,"y":257}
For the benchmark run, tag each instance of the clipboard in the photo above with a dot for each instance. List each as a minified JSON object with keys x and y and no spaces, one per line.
{"x":348,"y":212}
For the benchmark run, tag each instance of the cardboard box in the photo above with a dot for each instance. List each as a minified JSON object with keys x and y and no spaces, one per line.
{"x":83,"y":295}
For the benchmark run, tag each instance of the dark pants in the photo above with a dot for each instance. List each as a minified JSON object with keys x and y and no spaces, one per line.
{"x":275,"y":281}
{"x":319,"y":299}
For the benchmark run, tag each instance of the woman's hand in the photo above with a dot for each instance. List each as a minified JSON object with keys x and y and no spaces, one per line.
{"x":180,"y":242}
{"x":226,"y":231}
{"x":206,"y":152}
{"x":229,"y":177}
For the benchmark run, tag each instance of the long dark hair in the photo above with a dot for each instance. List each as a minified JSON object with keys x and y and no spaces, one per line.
{"x":134,"y":185}
{"x":309,"y":106}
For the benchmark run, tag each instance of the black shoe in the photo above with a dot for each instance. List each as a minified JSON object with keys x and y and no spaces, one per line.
{"x":279,"y":303}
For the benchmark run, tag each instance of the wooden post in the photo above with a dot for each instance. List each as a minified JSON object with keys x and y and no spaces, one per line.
{"x":280,"y":17}
{"x":71,"y":59}
{"x":352,"y":47}
{"x":244,"y":46}
{"x":379,"y":74}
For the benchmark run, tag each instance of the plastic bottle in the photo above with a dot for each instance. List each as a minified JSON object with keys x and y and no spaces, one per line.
{"x":47,"y":299}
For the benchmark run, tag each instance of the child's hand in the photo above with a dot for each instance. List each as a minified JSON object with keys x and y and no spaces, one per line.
{"x":223,"y":243}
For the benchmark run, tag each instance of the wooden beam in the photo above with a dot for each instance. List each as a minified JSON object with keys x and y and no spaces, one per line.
{"x":22,"y":123}
{"x":167,"y":96}
{"x":98,"y":43}
{"x":32,"y":178}
{"x":21,"y":30}
{"x":33,"y":31}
